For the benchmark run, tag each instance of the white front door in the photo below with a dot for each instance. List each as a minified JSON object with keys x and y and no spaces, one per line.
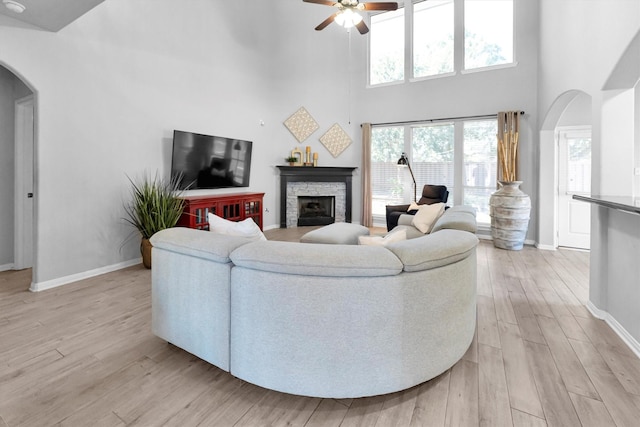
{"x":24,"y":137}
{"x":574,"y":177}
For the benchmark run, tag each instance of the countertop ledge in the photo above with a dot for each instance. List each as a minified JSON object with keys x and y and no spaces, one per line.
{"x":623,"y":203}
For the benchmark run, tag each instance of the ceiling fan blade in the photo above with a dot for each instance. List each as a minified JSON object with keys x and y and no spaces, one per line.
{"x":362,"y":27}
{"x":323,"y":2}
{"x":326,"y":22}
{"x":380,"y":6}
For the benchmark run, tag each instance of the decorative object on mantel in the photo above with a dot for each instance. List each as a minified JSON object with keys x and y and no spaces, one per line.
{"x":301,"y":124}
{"x":308,"y":158}
{"x":291,"y":160}
{"x":297,"y":154}
{"x":509,"y":206}
{"x":335,"y":140}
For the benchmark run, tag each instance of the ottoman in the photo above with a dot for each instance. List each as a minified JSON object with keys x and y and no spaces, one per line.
{"x":338,"y":233}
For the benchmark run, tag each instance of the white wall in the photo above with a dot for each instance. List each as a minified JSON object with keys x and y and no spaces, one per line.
{"x":580,"y":49}
{"x":578,"y":112}
{"x":113,"y":85}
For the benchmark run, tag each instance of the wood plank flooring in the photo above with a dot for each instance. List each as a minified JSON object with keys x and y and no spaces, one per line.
{"x":84,"y":355}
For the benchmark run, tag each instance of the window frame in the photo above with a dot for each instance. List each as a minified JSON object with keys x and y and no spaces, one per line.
{"x":404,"y":77}
{"x":459,"y":47}
{"x":457,"y":191}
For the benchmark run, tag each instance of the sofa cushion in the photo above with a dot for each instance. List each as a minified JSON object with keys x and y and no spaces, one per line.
{"x":198,"y":243}
{"x":317,"y":260}
{"x":427,"y":216}
{"x":463,"y":218}
{"x":434,"y":250}
{"x":393,"y":236}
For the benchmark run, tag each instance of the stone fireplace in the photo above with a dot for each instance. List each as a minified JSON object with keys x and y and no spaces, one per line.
{"x":314,"y":184}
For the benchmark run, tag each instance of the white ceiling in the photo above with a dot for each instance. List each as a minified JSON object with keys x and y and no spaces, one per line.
{"x":51,"y":15}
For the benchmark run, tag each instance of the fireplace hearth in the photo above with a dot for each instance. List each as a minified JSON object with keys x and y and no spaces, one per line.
{"x":319,"y":210}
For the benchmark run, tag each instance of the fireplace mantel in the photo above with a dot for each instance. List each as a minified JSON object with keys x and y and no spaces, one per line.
{"x":314,"y":174}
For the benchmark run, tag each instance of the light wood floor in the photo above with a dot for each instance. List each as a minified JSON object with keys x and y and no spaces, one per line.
{"x":83,"y":355}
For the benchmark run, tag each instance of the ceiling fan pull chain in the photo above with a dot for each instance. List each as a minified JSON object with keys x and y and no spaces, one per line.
{"x":349,"y":78}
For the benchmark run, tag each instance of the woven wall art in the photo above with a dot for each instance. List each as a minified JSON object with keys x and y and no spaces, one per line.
{"x":335,"y":140}
{"x":301,"y":124}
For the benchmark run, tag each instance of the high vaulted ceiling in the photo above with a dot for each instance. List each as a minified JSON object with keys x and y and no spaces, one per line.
{"x":51,"y":15}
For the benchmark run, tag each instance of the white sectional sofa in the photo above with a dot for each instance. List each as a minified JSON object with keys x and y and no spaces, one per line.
{"x":319,"y":320}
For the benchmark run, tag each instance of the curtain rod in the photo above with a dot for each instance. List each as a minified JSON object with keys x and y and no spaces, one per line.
{"x":446,"y":119}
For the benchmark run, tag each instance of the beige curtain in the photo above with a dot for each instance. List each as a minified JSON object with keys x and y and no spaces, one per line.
{"x":508,"y":133}
{"x":367,"y":216}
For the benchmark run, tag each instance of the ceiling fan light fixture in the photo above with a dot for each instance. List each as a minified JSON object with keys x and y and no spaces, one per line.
{"x":14,"y":6}
{"x":348,"y":18}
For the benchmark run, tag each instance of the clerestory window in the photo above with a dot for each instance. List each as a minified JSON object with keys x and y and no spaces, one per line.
{"x":426,"y":39}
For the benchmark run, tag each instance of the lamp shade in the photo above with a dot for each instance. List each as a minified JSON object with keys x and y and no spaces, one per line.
{"x":403,"y":161}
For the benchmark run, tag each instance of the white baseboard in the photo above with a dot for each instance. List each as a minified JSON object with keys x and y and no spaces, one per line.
{"x":630,"y":341}
{"x":6,"y":267}
{"x":49,"y":284}
{"x":488,"y":237}
{"x":545,"y":247}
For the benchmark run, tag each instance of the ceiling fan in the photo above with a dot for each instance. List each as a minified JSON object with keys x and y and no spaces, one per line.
{"x":347,"y":14}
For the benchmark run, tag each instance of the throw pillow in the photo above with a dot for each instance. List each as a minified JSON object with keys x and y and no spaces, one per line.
{"x":427,"y":216}
{"x":395,"y":236}
{"x":413,"y":208}
{"x":246,"y":228}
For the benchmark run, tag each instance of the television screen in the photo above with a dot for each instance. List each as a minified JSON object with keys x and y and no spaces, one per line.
{"x":204,"y":161}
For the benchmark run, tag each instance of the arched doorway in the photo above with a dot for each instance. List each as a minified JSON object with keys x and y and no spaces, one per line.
{"x":570,"y":111}
{"x":18,"y":104}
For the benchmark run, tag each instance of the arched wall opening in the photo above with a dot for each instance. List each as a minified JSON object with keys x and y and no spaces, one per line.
{"x":22,"y":230}
{"x":557,"y":115}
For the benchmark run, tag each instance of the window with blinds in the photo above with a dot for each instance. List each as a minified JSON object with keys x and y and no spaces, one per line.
{"x":480,"y":165}
{"x":387,"y":187}
{"x":460,"y":154}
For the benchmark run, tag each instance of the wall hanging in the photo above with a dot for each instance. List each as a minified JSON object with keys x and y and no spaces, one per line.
{"x":335,"y":140}
{"x":301,"y":124}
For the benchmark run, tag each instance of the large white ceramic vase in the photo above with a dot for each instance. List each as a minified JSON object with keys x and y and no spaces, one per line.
{"x":509,"y":208}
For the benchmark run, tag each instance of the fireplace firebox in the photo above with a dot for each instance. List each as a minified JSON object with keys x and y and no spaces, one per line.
{"x":296,"y":181}
{"x":316,"y":210}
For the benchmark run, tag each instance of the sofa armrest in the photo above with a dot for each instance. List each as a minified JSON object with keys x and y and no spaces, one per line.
{"x":405,"y":219}
{"x":397,"y":208}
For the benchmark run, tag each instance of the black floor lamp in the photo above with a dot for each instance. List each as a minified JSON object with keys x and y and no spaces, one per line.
{"x":404,"y":161}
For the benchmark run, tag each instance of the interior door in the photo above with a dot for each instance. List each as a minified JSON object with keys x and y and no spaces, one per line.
{"x":24,"y":134}
{"x":574,"y":177}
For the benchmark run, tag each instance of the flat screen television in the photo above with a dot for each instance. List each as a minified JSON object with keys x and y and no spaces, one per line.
{"x":205,"y":161}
